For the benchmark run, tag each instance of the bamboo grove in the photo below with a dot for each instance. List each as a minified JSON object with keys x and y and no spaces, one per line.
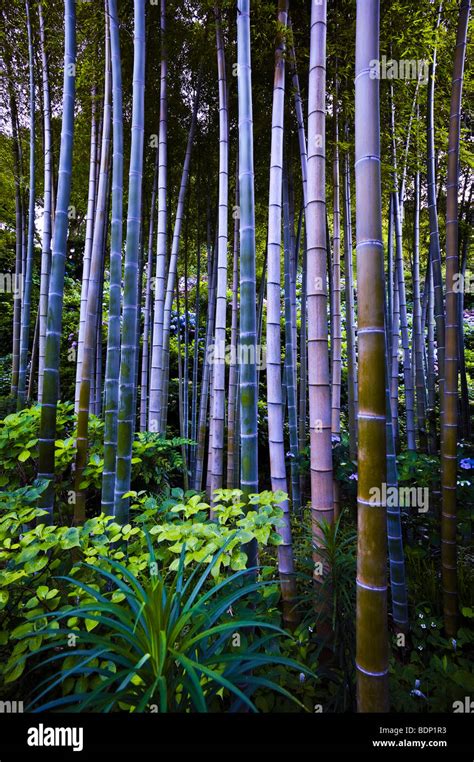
{"x":244,"y":227}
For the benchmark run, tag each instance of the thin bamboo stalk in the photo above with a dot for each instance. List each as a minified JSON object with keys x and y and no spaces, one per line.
{"x":89,"y":357}
{"x":92,"y":188}
{"x":47,"y":433}
{"x":28,"y":279}
{"x":218,"y":409}
{"x":47,"y":217}
{"x":154,"y":410}
{"x":128,"y":351}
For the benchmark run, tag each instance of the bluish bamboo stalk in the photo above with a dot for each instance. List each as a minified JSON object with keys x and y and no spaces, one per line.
{"x":248,"y":317}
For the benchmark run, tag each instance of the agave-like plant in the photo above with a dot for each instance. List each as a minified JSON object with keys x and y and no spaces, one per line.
{"x":169,"y":645}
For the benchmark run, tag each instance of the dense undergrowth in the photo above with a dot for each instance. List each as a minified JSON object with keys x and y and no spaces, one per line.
{"x":162,"y":614}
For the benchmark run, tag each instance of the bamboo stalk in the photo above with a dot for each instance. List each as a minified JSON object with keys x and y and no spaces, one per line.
{"x":218,"y":407}
{"x":47,"y":434}
{"x":450,"y":414}
{"x":47,"y":217}
{"x":89,"y":357}
{"x":248,"y":318}
{"x":128,"y":351}
{"x":28,"y":279}
{"x":371,"y":616}
{"x":318,"y":355}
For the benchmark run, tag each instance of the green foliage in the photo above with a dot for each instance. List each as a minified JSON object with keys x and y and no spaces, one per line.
{"x":166,"y":645}
{"x":184,"y":522}
{"x":179,"y":532}
{"x":435,"y":672}
{"x":155,"y":461}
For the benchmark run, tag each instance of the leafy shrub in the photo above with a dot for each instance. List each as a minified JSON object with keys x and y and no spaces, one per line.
{"x":155,"y":461}
{"x":438,"y":671}
{"x":164,"y":645}
{"x":30,"y":556}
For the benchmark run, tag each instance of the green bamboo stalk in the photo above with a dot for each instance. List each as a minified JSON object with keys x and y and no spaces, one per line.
{"x":435,"y":250}
{"x":90,"y":215}
{"x":89,"y":358}
{"x":206,"y":371}
{"x":128,"y":350}
{"x":395,"y":362}
{"x":182,"y":421}
{"x":18,"y":285}
{"x":196,"y":350}
{"x":186,"y":332}
{"x":47,"y":433}
{"x":336,"y":337}
{"x":431,"y":410}
{"x":407,"y":364}
{"x":28,"y":278}
{"x":371,"y":615}
{"x":450,"y":413}
{"x":465,"y":421}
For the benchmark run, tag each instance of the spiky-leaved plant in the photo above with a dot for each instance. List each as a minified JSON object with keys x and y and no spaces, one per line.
{"x":169,"y":642}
